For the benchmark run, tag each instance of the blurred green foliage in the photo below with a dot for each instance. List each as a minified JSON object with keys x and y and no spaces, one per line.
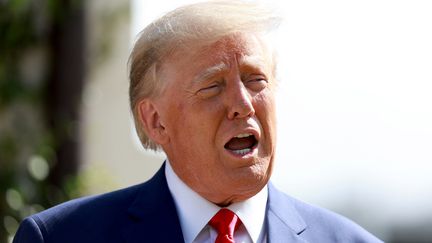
{"x":28,"y":144}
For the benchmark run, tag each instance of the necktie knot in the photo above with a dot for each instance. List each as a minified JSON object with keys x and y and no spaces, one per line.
{"x":225,"y":222}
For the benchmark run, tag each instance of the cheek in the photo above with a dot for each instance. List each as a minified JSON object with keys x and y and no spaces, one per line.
{"x":265,"y":106}
{"x":207,"y":113}
{"x":266,"y":114}
{"x":174,"y":118}
{"x":197,"y":122}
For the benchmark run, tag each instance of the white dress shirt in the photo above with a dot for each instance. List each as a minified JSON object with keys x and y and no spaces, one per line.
{"x":195,"y":212}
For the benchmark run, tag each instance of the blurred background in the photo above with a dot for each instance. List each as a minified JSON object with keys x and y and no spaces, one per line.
{"x":354,"y":107}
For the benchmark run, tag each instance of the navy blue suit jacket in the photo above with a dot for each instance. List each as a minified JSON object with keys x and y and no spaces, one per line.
{"x":146,"y":213}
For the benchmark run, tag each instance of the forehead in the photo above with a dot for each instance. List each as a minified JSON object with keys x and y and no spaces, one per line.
{"x":240,"y":45}
{"x":247,"y":50}
{"x":244,"y":50}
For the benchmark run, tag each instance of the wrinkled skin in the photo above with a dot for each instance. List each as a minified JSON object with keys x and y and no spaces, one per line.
{"x":211,"y":95}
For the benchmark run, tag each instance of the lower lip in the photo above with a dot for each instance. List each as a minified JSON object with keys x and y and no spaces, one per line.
{"x":248,"y":154}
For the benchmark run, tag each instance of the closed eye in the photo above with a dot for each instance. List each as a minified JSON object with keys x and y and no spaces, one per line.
{"x":256,"y":83}
{"x":209,"y":91}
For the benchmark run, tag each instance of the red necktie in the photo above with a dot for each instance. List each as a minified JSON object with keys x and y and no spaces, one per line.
{"x":225,"y":222}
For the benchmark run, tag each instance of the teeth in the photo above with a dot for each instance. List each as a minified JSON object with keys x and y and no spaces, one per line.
{"x":242,"y":151}
{"x":243,"y":135}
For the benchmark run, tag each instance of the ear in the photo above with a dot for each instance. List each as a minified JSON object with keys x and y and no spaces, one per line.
{"x":150,"y":120}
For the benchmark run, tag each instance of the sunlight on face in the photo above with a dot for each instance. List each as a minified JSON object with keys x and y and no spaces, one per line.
{"x":219,"y":114}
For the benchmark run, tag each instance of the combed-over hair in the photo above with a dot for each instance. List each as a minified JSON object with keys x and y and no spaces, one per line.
{"x":190,"y":26}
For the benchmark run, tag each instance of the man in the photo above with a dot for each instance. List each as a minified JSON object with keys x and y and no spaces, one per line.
{"x":202,"y":90}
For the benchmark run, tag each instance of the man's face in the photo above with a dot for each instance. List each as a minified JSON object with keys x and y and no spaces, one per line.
{"x":217,"y":109}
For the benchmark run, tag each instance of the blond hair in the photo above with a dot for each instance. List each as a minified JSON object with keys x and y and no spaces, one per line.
{"x":190,"y":26}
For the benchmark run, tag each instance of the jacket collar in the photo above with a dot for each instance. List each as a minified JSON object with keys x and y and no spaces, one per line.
{"x":284,"y":223}
{"x":153,"y":216}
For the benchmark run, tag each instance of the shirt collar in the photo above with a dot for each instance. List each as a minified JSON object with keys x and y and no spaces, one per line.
{"x":195,"y":211}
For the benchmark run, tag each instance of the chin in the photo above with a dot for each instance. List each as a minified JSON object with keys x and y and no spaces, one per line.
{"x":253,"y":180}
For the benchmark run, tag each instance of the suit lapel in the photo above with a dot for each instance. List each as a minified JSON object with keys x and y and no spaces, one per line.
{"x":284,"y":223}
{"x":153,"y":216}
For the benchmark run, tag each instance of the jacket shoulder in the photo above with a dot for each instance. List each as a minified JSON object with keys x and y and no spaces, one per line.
{"x":334,"y":226}
{"x":323,"y":225}
{"x":92,"y":216}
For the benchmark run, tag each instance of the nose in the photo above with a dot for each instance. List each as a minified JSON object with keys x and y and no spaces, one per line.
{"x":239,"y":102}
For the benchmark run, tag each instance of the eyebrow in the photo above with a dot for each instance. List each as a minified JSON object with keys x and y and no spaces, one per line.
{"x":210,"y":72}
{"x":252,"y":61}
{"x":248,"y":61}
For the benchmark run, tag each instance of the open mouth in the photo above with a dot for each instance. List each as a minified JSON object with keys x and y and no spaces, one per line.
{"x":242,"y":144}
